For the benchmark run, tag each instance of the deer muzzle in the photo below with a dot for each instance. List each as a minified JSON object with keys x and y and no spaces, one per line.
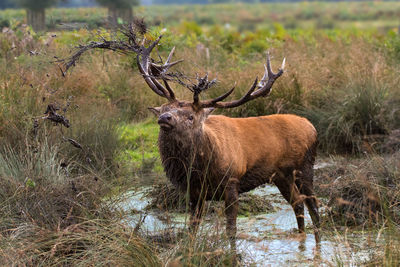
{"x":165,"y":121}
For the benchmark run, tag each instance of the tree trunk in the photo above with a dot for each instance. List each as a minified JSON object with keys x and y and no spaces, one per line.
{"x":119,"y":15}
{"x":37,"y":19}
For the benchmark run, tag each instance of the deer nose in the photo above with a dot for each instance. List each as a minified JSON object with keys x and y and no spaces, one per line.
{"x":165,"y":117}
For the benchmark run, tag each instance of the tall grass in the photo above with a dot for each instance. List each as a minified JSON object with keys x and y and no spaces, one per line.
{"x":87,"y":243}
{"x":55,"y":207}
{"x":209,"y":247}
{"x":363,"y":192}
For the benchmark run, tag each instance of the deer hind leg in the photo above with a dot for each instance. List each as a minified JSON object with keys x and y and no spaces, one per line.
{"x":304,"y":182}
{"x":290,"y":192}
{"x":305,"y":185}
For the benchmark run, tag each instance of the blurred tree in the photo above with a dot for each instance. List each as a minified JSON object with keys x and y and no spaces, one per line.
{"x":36,"y":12}
{"x":119,"y":10}
{"x":6,"y":4}
{"x":77,"y":3}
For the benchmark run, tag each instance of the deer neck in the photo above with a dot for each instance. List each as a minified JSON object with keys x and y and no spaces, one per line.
{"x":184,"y":156}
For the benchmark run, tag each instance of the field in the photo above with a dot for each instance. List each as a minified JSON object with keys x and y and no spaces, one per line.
{"x":72,"y":191}
{"x":366,"y":15}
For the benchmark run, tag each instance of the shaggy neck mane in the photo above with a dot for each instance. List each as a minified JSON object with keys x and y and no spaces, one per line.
{"x":184,"y":156}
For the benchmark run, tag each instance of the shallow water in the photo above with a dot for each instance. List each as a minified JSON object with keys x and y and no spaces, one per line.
{"x":268,"y":239}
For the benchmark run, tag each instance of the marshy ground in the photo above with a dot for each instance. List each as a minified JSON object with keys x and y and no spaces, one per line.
{"x":267,"y":228}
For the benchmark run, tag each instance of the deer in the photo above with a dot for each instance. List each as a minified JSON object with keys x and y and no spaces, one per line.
{"x":215,"y":157}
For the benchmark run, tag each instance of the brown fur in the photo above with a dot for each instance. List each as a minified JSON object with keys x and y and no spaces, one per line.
{"x":217,"y":157}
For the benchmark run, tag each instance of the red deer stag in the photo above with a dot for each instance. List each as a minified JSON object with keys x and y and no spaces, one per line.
{"x":217,"y":157}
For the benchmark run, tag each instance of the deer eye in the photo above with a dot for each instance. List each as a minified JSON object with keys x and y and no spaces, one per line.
{"x":190,"y":117}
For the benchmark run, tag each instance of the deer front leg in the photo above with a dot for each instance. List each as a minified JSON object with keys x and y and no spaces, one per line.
{"x":231,"y":210}
{"x":196,"y":209}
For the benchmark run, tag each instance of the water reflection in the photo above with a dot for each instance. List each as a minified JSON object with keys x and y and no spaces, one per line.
{"x":269,"y":239}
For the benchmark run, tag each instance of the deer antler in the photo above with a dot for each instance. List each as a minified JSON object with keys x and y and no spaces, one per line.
{"x":135,"y":43}
{"x":202,"y":84}
{"x":151,"y":71}
{"x":263,"y":89}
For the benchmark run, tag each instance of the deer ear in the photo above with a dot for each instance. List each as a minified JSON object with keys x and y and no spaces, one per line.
{"x":156,"y":111}
{"x":208,"y":111}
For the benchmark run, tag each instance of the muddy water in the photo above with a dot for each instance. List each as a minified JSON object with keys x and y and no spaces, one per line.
{"x":269,"y":239}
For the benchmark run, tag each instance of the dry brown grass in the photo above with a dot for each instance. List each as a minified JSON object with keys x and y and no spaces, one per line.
{"x":89,"y":243}
{"x":363,"y":191}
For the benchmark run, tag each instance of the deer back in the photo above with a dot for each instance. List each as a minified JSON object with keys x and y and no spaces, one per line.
{"x":266,"y":142}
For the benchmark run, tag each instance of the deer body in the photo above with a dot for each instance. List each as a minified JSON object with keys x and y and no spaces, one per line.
{"x":217,"y":157}
{"x":250,"y":149}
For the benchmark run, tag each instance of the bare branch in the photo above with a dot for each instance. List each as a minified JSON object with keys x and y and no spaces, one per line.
{"x":52,"y":115}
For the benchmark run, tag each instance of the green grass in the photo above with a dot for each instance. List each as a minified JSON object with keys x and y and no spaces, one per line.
{"x":140,"y":143}
{"x":364,"y":15}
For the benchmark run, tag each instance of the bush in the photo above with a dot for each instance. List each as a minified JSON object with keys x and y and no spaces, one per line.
{"x":343,"y":126}
{"x":4,"y":23}
{"x":393,"y":44}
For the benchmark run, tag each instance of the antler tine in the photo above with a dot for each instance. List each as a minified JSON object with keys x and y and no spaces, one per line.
{"x":164,"y":67}
{"x":148,"y":80}
{"x":202,"y":85}
{"x":269,"y":70}
{"x":169,"y":65}
{"x":222,"y":97}
{"x":151,"y":80}
{"x":264,"y":78}
{"x":264,"y":88}
{"x":170,"y":55}
{"x":171,"y":92}
{"x":153,"y":44}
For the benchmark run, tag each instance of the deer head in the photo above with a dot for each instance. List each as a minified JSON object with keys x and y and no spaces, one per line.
{"x":184,"y":117}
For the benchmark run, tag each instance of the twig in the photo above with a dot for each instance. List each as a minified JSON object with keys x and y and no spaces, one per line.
{"x":51,"y":114}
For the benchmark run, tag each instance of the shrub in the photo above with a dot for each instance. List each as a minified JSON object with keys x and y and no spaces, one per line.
{"x":343,"y":126}
{"x":393,"y":44}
